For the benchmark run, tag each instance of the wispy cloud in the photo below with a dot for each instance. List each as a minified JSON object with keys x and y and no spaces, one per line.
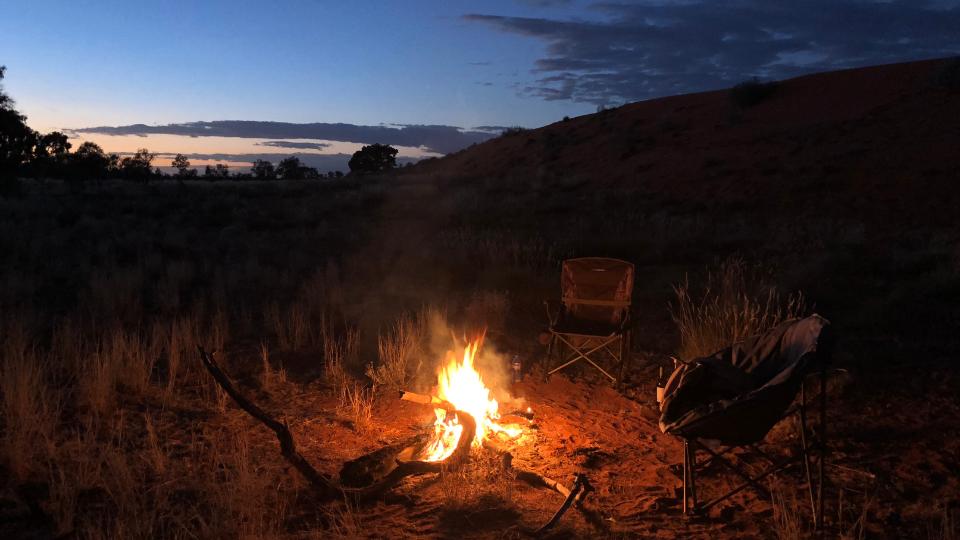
{"x":545,"y":3}
{"x":440,"y":139}
{"x":299,"y":145}
{"x":659,"y":47}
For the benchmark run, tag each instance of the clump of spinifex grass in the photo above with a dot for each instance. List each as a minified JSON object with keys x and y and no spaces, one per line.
{"x":28,"y":407}
{"x":397,"y":350}
{"x":733,"y":303}
{"x":356,"y":401}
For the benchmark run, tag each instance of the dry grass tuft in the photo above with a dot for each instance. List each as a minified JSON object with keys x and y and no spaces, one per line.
{"x":947,"y":528}
{"x":789,"y":521}
{"x":343,"y":521}
{"x":270,"y":377}
{"x":97,"y":387}
{"x":30,"y":409}
{"x":397,"y":350}
{"x":356,"y":402}
{"x":291,"y":326}
{"x":732,"y":305}
{"x":340,"y":355}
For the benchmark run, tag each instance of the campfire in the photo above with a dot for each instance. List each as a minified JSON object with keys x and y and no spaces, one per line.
{"x":461,"y":385}
{"x":466,"y":417}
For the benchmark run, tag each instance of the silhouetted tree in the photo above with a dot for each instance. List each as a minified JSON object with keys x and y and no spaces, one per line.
{"x":373,"y":158}
{"x":137,"y":166}
{"x":17,"y":140}
{"x":263,"y":170}
{"x":87,"y":163}
{"x":53,"y":144}
{"x":182,"y":165}
{"x":50,"y":155}
{"x":292,"y":169}
{"x":219,"y":172}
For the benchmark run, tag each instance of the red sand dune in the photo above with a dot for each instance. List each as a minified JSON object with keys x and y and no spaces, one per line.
{"x":880,"y":139}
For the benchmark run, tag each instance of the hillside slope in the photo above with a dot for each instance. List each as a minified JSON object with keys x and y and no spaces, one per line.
{"x":880,"y":138}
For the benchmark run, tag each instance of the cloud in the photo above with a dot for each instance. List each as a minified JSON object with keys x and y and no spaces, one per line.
{"x":440,"y":139}
{"x":661,"y":47}
{"x":491,"y":129}
{"x":295,"y":145}
{"x":545,"y":3}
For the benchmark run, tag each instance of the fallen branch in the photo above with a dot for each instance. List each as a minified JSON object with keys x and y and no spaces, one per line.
{"x":580,"y":486}
{"x":288,"y":447}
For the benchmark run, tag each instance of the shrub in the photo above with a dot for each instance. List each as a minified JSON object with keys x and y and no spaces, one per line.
{"x":752,"y":92}
{"x":515,"y":130}
{"x":733,"y":304}
{"x":948,"y":76}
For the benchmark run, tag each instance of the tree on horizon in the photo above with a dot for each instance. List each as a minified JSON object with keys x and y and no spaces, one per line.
{"x":373,"y":158}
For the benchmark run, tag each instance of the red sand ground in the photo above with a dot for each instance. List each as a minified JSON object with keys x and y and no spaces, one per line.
{"x":588,"y":427}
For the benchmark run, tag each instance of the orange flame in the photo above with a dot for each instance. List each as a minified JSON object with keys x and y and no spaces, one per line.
{"x":461,"y":385}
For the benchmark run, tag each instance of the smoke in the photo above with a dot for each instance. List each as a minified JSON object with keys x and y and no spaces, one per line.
{"x":444,"y":340}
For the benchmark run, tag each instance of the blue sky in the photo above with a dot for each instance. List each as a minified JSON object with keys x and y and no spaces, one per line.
{"x":81,"y":63}
{"x":448,"y":64}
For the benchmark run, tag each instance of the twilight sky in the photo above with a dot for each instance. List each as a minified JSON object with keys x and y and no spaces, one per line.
{"x":82,"y":64}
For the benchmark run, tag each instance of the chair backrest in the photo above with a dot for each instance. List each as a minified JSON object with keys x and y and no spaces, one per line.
{"x":597,"y":289}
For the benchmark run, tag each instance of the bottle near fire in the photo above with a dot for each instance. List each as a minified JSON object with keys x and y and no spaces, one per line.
{"x":516,"y":366}
{"x":661,"y":385}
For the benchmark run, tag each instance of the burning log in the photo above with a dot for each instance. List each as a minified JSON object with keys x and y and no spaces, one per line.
{"x":572,"y":496}
{"x":415,"y":467}
{"x":424,"y":399}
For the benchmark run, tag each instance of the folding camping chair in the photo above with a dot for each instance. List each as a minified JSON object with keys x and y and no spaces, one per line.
{"x":594,"y":317}
{"x":733,"y":398}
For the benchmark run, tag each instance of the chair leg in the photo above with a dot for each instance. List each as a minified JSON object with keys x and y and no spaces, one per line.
{"x":548,"y":357}
{"x":823,"y":445}
{"x":691,"y":458}
{"x":805,"y":450}
{"x":624,"y":357}
{"x":554,"y":352}
{"x":686,"y":477}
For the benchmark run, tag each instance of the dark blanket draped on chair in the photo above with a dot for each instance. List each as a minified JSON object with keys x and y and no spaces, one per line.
{"x":735,"y":396}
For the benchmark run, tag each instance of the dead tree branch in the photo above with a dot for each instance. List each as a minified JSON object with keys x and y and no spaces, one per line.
{"x":288,"y":447}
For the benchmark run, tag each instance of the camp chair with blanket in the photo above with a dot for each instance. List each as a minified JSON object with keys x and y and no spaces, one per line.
{"x":733,"y":398}
{"x":593,"y":324}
